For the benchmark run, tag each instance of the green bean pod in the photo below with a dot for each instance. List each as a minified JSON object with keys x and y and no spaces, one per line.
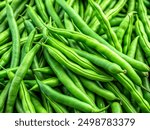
{"x":125,"y":102}
{"x":116,"y":107}
{"x":41,"y":9}
{"x":57,"y":55}
{"x":144,"y":43}
{"x":123,"y":27}
{"x":65,"y":79}
{"x":25,"y":99}
{"x":15,"y":36}
{"x":132,"y":48}
{"x":142,"y":13}
{"x":37,"y":104}
{"x":106,"y":26}
{"x":19,"y":75}
{"x":72,"y":55}
{"x":104,"y":50}
{"x":93,"y":87}
{"x":53,"y":82}
{"x":128,"y":84}
{"x":101,"y":62}
{"x":66,"y":100}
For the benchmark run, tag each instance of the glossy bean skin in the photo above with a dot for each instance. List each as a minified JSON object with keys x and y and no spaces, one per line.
{"x":144,"y":43}
{"x":37,"y":104}
{"x":25,"y":99}
{"x":41,"y":9}
{"x":127,"y":36}
{"x":57,"y":55}
{"x":123,"y":27}
{"x":93,"y":43}
{"x":132,"y":48}
{"x":76,"y":80}
{"x":116,"y":107}
{"x":51,"y":11}
{"x":28,"y":45}
{"x":18,"y":106}
{"x":146,"y":84}
{"x":66,"y":100}
{"x":88,"y":31}
{"x":53,"y":82}
{"x":113,"y":40}
{"x":127,"y":83}
{"x":15,"y":36}
{"x":100,"y":61}
{"x":19,"y":75}
{"x":100,"y":103}
{"x":5,"y":58}
{"x":63,"y":77}
{"x":142,"y":13}
{"x":114,"y":11}
{"x":69,"y":53}
{"x":125,"y":102}
{"x":93,"y":86}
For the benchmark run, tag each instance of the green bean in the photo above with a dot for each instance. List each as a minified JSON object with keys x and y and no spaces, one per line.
{"x":41,"y":9}
{"x":113,"y":12}
{"x":91,"y":95}
{"x":27,"y":46}
{"x":81,"y":9}
{"x":57,"y":107}
{"x":57,"y":55}
{"x":46,"y":104}
{"x":144,"y":43}
{"x":46,"y":70}
{"x":19,"y":75}
{"x":132,"y":48}
{"x":18,"y":11}
{"x":33,"y":15}
{"x":123,"y":27}
{"x":106,"y":25}
{"x":76,"y":80}
{"x":116,"y":21}
{"x":66,"y":100}
{"x":127,"y":83}
{"x":127,"y":36}
{"x":72,"y":55}
{"x":88,"y":13}
{"x":116,"y":107}
{"x":146,"y":84}
{"x":25,"y":99}
{"x":131,"y":5}
{"x":92,"y":86}
{"x":102,"y":49}
{"x":18,"y":106}
{"x":110,"y":6}
{"x":51,"y":11}
{"x":4,"y":94}
{"x":28,"y":25}
{"x":80,"y":23}
{"x":100,"y":103}
{"x":142,"y":13}
{"x":3,"y":73}
{"x":53,"y":82}
{"x":65,"y":79}
{"x":14,"y":6}
{"x":15,"y":36}
{"x":37,"y":104}
{"x":5,"y":58}
{"x":125,"y":102}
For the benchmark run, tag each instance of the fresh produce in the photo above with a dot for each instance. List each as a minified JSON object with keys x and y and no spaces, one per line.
{"x":74,"y":56}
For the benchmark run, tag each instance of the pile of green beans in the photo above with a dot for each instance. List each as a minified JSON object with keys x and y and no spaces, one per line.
{"x":74,"y":56}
